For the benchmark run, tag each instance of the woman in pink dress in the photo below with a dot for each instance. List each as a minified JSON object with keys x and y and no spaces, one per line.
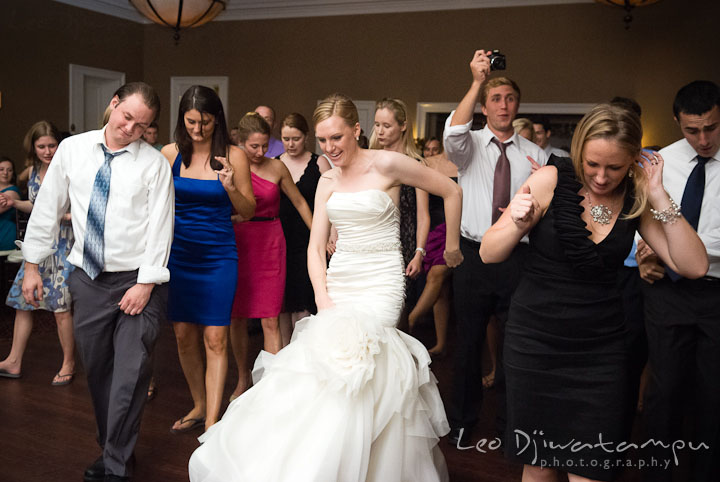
{"x":261,"y":247}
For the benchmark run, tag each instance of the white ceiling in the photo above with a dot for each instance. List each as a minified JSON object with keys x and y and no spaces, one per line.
{"x":262,"y":9}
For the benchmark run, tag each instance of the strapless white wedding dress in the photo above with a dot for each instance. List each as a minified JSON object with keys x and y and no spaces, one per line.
{"x":351,"y":398}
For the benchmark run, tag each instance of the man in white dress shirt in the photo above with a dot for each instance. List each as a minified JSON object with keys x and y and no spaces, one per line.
{"x":682,"y":316}
{"x":541,"y":125}
{"x":482,"y":290}
{"x":120,"y":190}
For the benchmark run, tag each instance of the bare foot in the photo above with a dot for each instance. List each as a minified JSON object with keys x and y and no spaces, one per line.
{"x":11,"y":369}
{"x":62,"y":379}
{"x":67,"y":368}
{"x":191,"y":421}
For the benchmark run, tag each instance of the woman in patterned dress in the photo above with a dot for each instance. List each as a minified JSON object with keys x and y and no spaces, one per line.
{"x":41,"y":142}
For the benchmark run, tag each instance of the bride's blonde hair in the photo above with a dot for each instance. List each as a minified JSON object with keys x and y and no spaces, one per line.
{"x":336,"y":104}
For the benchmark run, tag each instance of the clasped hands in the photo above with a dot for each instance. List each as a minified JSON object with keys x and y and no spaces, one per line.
{"x":6,"y":201}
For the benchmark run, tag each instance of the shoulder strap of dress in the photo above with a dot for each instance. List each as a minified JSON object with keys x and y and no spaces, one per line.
{"x":176,"y":165}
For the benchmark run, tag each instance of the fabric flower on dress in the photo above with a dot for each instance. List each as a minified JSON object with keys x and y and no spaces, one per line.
{"x":345,"y":342}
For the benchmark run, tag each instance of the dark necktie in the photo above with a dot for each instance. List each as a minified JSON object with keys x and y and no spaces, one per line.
{"x":94,"y":247}
{"x":501,"y":182}
{"x":693,"y":194}
{"x":692,"y":200}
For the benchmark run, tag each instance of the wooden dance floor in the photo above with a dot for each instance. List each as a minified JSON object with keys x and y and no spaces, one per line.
{"x":48,"y":433}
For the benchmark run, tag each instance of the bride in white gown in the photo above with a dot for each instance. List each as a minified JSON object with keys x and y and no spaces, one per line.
{"x":351,"y":398}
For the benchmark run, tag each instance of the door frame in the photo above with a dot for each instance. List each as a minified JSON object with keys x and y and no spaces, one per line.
{"x":178,"y":86}
{"x":424,"y":108}
{"x":77,"y":75}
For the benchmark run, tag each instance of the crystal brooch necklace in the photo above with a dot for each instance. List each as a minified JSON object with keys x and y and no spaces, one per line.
{"x":600,"y":213}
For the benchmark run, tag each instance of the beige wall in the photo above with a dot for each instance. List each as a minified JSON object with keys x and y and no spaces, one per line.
{"x":572,"y":53}
{"x":557,"y":53}
{"x":39,"y":38}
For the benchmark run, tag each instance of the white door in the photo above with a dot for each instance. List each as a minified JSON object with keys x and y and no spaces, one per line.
{"x":90,"y":92}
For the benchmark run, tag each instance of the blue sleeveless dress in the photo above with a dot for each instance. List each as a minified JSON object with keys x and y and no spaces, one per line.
{"x":203,"y":259}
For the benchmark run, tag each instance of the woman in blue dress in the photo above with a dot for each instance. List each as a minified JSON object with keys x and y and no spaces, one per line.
{"x":8,"y":224}
{"x":212,"y":179}
{"x":41,"y":142}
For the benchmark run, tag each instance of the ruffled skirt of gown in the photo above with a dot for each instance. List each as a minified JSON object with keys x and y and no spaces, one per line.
{"x":351,"y":398}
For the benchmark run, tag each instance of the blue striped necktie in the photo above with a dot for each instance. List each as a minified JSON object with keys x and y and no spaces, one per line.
{"x":94,"y":248}
{"x":692,"y":200}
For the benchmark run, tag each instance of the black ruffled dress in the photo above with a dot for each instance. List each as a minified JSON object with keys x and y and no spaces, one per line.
{"x":565,"y":359}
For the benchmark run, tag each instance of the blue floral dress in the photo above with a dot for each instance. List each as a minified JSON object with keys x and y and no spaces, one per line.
{"x":54,"y":271}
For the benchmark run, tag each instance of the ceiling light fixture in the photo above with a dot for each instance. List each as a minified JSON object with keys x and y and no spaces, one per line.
{"x":628,"y":5}
{"x":179,"y":14}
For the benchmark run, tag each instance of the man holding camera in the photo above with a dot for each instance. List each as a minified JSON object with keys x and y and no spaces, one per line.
{"x":492,"y":165}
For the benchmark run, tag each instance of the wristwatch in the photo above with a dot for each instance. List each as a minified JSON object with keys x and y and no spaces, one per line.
{"x":422,"y":251}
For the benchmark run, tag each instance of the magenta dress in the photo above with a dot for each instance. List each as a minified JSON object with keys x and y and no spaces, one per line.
{"x":261,"y":256}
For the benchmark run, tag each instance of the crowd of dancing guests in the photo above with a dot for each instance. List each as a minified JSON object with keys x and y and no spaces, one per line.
{"x":545,"y":234}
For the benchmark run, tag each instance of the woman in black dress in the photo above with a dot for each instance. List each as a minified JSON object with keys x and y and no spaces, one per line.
{"x":305,"y":168}
{"x":565,"y":358}
{"x":393,"y":132}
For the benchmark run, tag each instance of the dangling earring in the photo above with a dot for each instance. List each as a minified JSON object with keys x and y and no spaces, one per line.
{"x":630,"y":173}
{"x":357,"y":138}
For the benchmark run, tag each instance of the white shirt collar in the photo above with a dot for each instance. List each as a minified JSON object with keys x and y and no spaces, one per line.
{"x":131,"y":148}
{"x":488,"y":135}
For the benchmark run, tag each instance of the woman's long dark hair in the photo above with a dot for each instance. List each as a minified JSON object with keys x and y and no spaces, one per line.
{"x":206,"y":101}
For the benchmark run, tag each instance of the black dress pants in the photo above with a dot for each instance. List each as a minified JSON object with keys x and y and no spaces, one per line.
{"x":480,"y":290}
{"x":683,"y":330}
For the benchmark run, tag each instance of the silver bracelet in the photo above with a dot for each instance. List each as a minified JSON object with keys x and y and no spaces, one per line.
{"x":421,"y":251}
{"x":669,"y":215}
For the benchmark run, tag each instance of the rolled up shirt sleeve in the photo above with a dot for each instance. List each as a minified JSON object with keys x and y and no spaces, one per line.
{"x":161,"y":212}
{"x":50,"y":205}
{"x":458,"y":142}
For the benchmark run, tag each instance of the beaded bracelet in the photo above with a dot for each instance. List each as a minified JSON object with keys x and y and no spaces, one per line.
{"x":669,"y":215}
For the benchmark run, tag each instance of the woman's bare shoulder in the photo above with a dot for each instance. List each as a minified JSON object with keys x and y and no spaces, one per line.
{"x":170,"y":151}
